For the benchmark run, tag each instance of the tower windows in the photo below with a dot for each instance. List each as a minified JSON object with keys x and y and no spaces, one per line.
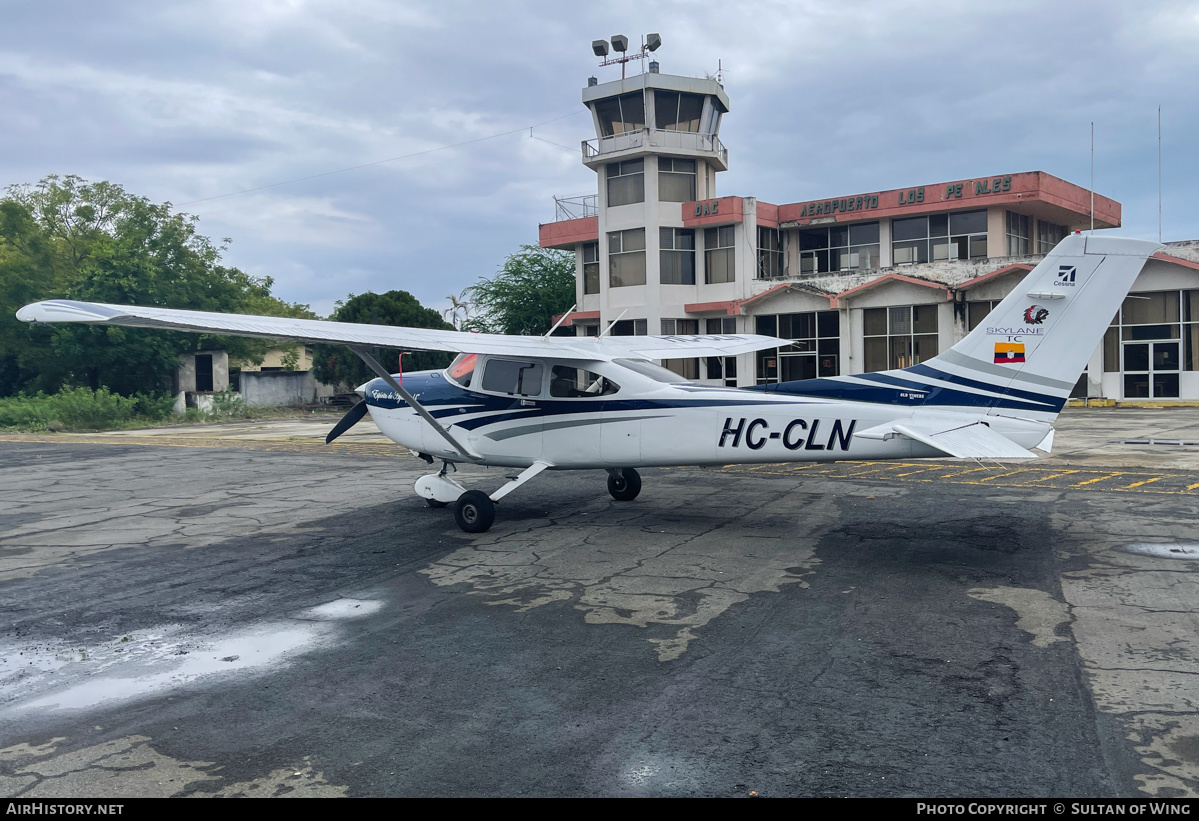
{"x":675,"y":111}
{"x":626,"y":257}
{"x":626,"y":182}
{"x":676,"y":179}
{"x":620,"y":115}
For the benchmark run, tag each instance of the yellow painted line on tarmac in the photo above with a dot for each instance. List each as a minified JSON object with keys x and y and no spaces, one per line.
{"x":1057,"y":475}
{"x":1098,"y":479}
{"x":1056,"y":478}
{"x":923,"y":470}
{"x":961,"y":472}
{"x":1001,"y":475}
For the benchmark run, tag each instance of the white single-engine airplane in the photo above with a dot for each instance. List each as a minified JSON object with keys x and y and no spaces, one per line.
{"x":572,"y":403}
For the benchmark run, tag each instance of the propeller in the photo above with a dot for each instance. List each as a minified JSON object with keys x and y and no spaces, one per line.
{"x":348,"y":421}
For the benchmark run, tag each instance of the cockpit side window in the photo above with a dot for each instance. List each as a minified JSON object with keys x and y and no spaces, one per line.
{"x":571,"y":382}
{"x":462,"y":368}
{"x":513,"y":377}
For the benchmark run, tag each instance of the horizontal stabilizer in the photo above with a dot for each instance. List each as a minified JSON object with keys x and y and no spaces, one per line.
{"x":974,"y":441}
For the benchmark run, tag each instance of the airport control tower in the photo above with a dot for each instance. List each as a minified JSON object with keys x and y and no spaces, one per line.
{"x":645,"y":255}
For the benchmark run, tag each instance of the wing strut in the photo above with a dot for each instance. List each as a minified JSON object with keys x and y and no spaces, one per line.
{"x":465,"y":451}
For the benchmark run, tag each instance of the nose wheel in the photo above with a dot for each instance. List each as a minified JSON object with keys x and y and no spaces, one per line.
{"x":624,"y":484}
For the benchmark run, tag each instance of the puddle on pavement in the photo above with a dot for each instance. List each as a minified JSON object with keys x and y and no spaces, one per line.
{"x":54,"y":675}
{"x":1163,"y":550}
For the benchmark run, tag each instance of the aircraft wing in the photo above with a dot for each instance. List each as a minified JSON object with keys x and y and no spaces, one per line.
{"x":963,"y":440}
{"x":387,"y":336}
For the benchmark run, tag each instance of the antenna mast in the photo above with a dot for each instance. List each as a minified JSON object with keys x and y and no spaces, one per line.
{"x":1092,"y":176}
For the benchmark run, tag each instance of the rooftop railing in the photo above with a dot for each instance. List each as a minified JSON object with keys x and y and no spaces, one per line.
{"x":655,"y":138}
{"x":573,"y":208}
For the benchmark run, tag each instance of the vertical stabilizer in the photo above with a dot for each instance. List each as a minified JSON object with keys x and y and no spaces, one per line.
{"x":1036,"y":342}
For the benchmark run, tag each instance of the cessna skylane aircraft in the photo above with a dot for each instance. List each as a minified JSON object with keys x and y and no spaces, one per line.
{"x":574,"y":403}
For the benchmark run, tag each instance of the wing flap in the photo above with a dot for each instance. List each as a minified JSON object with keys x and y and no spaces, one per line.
{"x":426,"y":339}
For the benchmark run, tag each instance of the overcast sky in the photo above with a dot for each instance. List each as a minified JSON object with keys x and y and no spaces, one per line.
{"x":188,"y":102}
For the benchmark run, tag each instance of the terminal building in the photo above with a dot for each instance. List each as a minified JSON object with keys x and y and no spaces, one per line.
{"x":859,"y":281}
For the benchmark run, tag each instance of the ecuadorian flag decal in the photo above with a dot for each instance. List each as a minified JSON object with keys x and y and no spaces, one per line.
{"x":1009,"y":353}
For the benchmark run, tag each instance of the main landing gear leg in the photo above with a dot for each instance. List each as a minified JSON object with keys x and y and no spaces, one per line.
{"x":624,"y":484}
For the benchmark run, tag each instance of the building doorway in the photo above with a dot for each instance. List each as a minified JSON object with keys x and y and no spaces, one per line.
{"x":1151,"y":369}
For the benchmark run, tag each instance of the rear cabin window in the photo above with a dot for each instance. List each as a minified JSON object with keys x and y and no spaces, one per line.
{"x":513,"y":377}
{"x":567,"y":382}
{"x":647,"y":368}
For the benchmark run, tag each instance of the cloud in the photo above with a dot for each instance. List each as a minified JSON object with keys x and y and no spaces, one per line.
{"x":186,"y":101}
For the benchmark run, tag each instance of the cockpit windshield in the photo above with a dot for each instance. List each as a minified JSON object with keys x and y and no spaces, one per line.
{"x":654,"y":372}
{"x":462,"y":368}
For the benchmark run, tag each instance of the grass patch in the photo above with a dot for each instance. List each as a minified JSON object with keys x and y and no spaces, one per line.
{"x":75,"y":409}
{"x":80,"y":409}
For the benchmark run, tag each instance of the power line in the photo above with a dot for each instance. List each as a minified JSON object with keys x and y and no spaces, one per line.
{"x":382,"y":162}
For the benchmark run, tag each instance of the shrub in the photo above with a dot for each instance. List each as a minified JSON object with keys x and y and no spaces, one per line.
{"x":80,"y":409}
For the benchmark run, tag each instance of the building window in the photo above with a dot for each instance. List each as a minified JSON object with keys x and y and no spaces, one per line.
{"x":591,"y":266}
{"x":620,"y":115}
{"x":676,"y":179}
{"x":680,"y":327}
{"x":204,"y":380}
{"x":976,"y":312}
{"x":839,"y":248}
{"x":723,"y":368}
{"x":626,"y":182}
{"x":719,"y":263}
{"x":899,"y":337}
{"x":686,"y":368}
{"x":770,"y":253}
{"x":626,"y":257}
{"x":1019,"y":234}
{"x":1153,"y":337}
{"x":630,"y":327}
{"x":815,"y":351}
{"x":1048,"y":236}
{"x":588,"y":330}
{"x":677,"y":256}
{"x":674,"y":111}
{"x":939,"y":237}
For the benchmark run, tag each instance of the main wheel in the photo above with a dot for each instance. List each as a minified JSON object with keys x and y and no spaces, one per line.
{"x":625,"y":485}
{"x":474,"y":511}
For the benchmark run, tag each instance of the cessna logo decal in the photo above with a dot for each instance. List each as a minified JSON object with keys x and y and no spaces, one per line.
{"x":1035,"y":315}
{"x":797,"y":434}
{"x":1065,"y":276}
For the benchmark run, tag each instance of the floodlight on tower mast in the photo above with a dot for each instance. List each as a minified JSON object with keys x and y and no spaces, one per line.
{"x":620,"y":43}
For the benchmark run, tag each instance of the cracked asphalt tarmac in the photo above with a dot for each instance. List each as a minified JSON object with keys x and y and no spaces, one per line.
{"x":241,"y":616}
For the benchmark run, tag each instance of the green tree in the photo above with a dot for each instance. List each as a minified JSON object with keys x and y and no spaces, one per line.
{"x":68,"y":238}
{"x":523,"y":297}
{"x":337,"y":365}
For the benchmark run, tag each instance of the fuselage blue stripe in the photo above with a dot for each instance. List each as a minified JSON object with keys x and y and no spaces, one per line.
{"x":933,"y":373}
{"x":832,"y":388}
